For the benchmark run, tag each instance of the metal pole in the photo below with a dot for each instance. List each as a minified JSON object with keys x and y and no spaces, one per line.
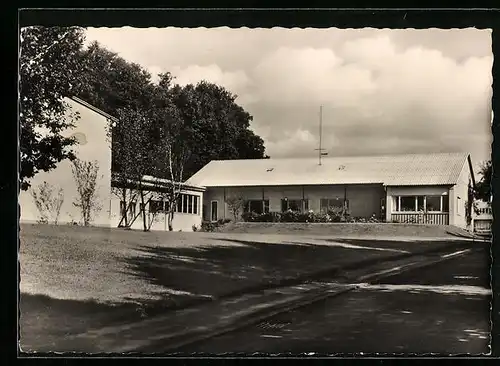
{"x":320,"y":131}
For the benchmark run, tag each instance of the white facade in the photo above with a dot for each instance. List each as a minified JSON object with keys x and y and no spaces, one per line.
{"x":90,"y":131}
{"x":188,"y":211}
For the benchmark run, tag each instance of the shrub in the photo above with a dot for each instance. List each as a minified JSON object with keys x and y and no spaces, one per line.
{"x":290,"y":216}
{"x":250,"y":216}
{"x":336,"y":214}
{"x":305,"y":217}
{"x":207,"y":226}
{"x":195,"y":228}
{"x":210,"y":226}
{"x":322,"y":217}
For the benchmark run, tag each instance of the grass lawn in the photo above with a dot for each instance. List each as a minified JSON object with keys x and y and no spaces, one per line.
{"x":76,"y":278}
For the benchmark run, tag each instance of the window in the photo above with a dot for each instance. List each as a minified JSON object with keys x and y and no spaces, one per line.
{"x":407,"y":203}
{"x":445,"y":207}
{"x":328,"y":203}
{"x":195,"y":205}
{"x":131,"y":210}
{"x":257,"y":206}
{"x":294,"y":205}
{"x":155,"y":206}
{"x":187,"y":203}
{"x":184,"y":203}
{"x":421,"y":203}
{"x":433,"y":203}
{"x":190,"y":204}
{"x":179,"y":203}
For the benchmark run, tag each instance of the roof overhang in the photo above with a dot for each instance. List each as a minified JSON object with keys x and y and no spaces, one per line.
{"x":471,"y":169}
{"x":154,"y":184}
{"x":93,"y":108}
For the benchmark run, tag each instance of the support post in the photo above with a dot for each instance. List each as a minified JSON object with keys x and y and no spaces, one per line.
{"x":224,"y":204}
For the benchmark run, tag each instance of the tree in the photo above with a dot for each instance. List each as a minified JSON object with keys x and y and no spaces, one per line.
{"x":85,"y":174}
{"x":235,"y":205}
{"x":48,"y":71}
{"x":137,"y":151}
{"x":111,"y":82}
{"x":216,"y":127}
{"x":177,"y":155}
{"x":48,"y":202}
{"x":482,"y":190}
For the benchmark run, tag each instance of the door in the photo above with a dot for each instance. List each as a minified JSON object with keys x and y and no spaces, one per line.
{"x":214,"y":211}
{"x":383,"y":208}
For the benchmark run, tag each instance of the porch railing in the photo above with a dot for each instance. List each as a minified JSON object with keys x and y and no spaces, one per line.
{"x":421,"y":218}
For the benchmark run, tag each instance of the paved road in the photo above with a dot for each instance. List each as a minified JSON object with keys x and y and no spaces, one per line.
{"x":443,"y":309}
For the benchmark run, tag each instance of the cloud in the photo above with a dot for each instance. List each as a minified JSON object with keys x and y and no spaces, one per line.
{"x":382,"y":91}
{"x":377,"y":99}
{"x":234,"y":81}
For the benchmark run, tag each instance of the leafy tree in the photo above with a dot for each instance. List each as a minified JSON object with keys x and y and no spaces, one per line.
{"x":48,"y":202}
{"x":85,"y":174}
{"x":49,"y":70}
{"x":112,"y":83}
{"x":140,"y":144}
{"x":483,"y":186}
{"x":216,"y":127}
{"x":175,"y":153}
{"x":235,"y":205}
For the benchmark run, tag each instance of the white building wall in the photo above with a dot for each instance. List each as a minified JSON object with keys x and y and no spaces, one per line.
{"x":181,"y":222}
{"x":92,"y":127}
{"x":459,"y":197}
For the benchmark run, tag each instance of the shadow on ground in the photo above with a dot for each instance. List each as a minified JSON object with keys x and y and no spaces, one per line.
{"x":189,"y":275}
{"x":44,"y":321}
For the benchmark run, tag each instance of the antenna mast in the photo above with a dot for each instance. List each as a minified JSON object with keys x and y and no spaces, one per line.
{"x":320,"y":149}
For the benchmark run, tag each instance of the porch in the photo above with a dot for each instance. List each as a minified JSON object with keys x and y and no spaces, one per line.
{"x":429,"y":218}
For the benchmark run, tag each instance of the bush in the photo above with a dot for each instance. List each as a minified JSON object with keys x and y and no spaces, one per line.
{"x":209,"y":226}
{"x":195,"y":228}
{"x":290,"y":216}
{"x":333,"y":215}
{"x":250,"y":216}
{"x":336,"y":214}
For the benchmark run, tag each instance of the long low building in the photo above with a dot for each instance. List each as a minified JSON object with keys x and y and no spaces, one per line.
{"x":425,"y":188}
{"x":418,"y":188}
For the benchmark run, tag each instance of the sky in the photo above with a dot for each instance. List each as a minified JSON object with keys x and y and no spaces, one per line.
{"x":381,"y":91}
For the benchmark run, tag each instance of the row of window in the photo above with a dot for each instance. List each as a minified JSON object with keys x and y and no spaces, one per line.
{"x":420,"y":203}
{"x":187,"y":203}
{"x":401,"y":204}
{"x":298,"y":205}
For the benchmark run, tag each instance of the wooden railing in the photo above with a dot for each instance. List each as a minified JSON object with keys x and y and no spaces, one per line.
{"x":421,"y":218}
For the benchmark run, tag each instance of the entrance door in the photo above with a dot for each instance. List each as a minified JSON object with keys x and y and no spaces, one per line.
{"x":214,"y":211}
{"x":383,"y":208}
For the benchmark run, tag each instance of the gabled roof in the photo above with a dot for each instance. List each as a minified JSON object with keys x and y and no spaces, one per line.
{"x":390,"y":170}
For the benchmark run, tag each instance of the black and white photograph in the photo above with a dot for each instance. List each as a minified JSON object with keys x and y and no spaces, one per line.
{"x":244,"y":191}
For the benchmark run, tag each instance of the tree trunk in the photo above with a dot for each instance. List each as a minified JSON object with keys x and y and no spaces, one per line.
{"x":145,"y":227}
{"x":170,"y":219}
{"x":124,"y":196}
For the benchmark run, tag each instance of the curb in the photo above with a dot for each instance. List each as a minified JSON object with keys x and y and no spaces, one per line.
{"x":264,"y":314}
